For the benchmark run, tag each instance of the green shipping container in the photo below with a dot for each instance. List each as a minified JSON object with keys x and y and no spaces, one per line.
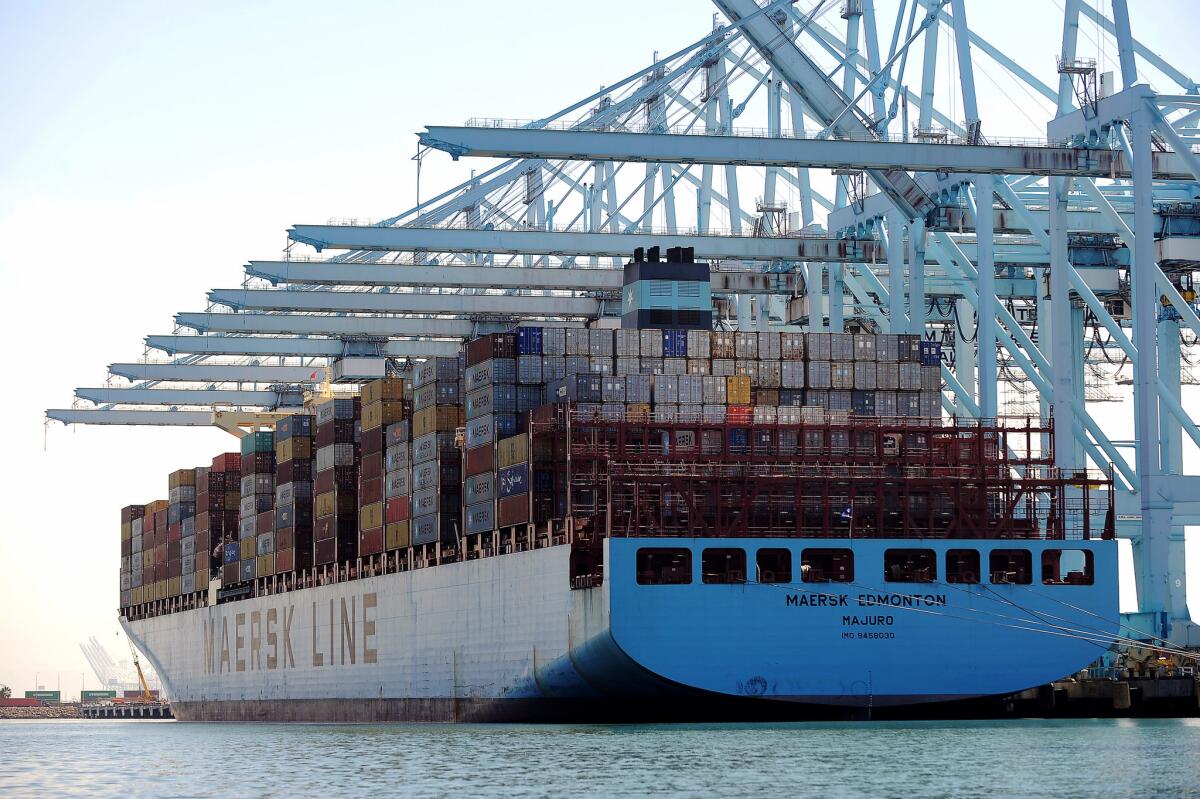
{"x":96,"y":696}
{"x":260,"y":441}
{"x":53,"y":697}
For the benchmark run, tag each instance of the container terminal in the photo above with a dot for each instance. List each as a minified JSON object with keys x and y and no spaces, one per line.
{"x":555,"y":445}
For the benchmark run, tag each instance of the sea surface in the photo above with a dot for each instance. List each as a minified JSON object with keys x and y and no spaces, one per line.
{"x":1061,"y":759}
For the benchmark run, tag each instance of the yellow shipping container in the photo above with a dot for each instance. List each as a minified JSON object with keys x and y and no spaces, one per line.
{"x":136,"y":595}
{"x":637,"y":412}
{"x":293,"y":449}
{"x":181,"y":477}
{"x":246,"y":545}
{"x":737,"y":390}
{"x":514,"y":449}
{"x":389,"y":388}
{"x":326,"y":504}
{"x":126,"y":531}
{"x":440,"y":418}
{"x":381,"y":413}
{"x":265,"y":566}
{"x":148,"y":559}
{"x":173,"y":586}
{"x":396,"y":535}
{"x":157,"y":506}
{"x":370,"y":516}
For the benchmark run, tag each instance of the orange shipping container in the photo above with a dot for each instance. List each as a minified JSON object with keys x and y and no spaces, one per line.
{"x":382,"y":413}
{"x":737,"y":390}
{"x":389,"y":388}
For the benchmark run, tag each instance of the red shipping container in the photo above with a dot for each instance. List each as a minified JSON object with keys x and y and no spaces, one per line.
{"x":160,"y":571}
{"x":338,"y":477}
{"x":203,"y":520}
{"x":372,"y":466}
{"x":264,"y":522}
{"x":126,"y":546}
{"x":173,"y":550}
{"x":227,"y":462}
{"x":480,"y":460}
{"x":370,"y":491}
{"x":739,"y":414}
{"x":285,"y":559}
{"x":174,"y":531}
{"x":326,"y":551}
{"x":285,"y":538}
{"x":370,"y":542}
{"x":493,"y":345}
{"x":20,"y":702}
{"x":229,"y":573}
{"x":203,"y":543}
{"x":160,"y":555}
{"x":397,"y":509}
{"x":160,"y":523}
{"x":339,"y":431}
{"x":173,"y":568}
{"x":372,"y":441}
{"x":294,"y":470}
{"x":513,"y":510}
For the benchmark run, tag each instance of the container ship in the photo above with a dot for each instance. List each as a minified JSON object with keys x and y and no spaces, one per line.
{"x":653,"y":521}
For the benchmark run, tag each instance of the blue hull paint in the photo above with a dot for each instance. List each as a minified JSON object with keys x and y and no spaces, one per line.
{"x":829,"y":643}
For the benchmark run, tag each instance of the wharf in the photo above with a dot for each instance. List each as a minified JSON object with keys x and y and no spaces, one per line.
{"x":153,"y":710}
{"x":1129,"y":697}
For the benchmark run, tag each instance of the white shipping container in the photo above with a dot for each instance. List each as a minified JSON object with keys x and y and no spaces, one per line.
{"x":577,"y":365}
{"x":554,"y":367}
{"x":841,"y":347}
{"x":554,"y":341}
{"x":817,"y":345}
{"x":864,"y":347}
{"x":724,"y":344}
{"x":334,"y":455}
{"x":665,"y":389}
{"x":931,"y":378}
{"x":674,"y":366}
{"x":699,"y":366}
{"x":601,"y":364}
{"x":699,"y":343}
{"x":770,"y":374}
{"x":652,"y":366}
{"x":600,"y":342}
{"x":612,"y":411}
{"x":864,"y":375}
{"x":910,"y":376}
{"x":819,"y":374}
{"x":397,"y":483}
{"x":724,"y":367}
{"x":747,"y":368}
{"x":628,"y":343}
{"x":577,"y":342}
{"x":529,"y":369}
{"x":887,"y":376}
{"x":791,"y":374}
{"x":667,"y":412}
{"x":714,"y":414}
{"x":769,"y":346}
{"x":612,"y":389}
{"x":637,"y":388}
{"x":691,"y":389}
{"x":745,"y":345}
{"x":765,"y":414}
{"x":887,"y":348}
{"x":628,"y":365}
{"x":714,"y":390}
{"x":651,"y":343}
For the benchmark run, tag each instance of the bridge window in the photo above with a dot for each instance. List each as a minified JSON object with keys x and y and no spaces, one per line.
{"x":827,"y":565}
{"x":1011,"y":566}
{"x":1068,"y":567}
{"x":909,"y":565}
{"x":723,"y":566}
{"x":962,"y":566}
{"x":664,"y":566}
{"x":774,"y":566}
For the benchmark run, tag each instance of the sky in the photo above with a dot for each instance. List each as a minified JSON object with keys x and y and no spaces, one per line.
{"x":148,"y":149}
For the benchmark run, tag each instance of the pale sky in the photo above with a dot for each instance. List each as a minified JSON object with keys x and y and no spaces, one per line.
{"x":149,"y":149}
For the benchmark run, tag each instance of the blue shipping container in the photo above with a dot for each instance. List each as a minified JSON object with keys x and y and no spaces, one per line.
{"x":739,"y":439}
{"x":675,"y":344}
{"x":931,"y":353}
{"x":543,"y":480}
{"x":529,"y":341}
{"x":513,"y":480}
{"x":232,"y":553}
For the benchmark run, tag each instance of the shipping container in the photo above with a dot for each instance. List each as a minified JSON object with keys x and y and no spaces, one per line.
{"x":388,"y":389}
{"x":442,"y":370}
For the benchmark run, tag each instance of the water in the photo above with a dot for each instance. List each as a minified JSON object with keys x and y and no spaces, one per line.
{"x":1060,"y":759}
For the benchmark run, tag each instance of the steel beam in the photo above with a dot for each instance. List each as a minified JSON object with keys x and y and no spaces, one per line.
{"x":404,"y":302}
{"x":292,"y":347}
{"x":745,"y":150}
{"x":315,"y":325}
{"x":553,"y":242}
{"x":218,"y":372}
{"x":138,"y":417}
{"x":182,"y":396}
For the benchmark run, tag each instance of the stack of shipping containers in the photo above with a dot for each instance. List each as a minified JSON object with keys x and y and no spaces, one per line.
{"x":131,"y":520}
{"x":294,"y":493}
{"x":256,"y":517}
{"x":456,"y":451}
{"x":436,"y":479}
{"x":335,"y":479}
{"x":218,"y":498}
{"x":181,"y":506}
{"x":383,"y":404}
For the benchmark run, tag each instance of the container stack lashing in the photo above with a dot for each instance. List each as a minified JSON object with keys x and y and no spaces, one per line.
{"x":218,"y":502}
{"x":335,"y":530}
{"x":384,"y":402}
{"x":294,"y":517}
